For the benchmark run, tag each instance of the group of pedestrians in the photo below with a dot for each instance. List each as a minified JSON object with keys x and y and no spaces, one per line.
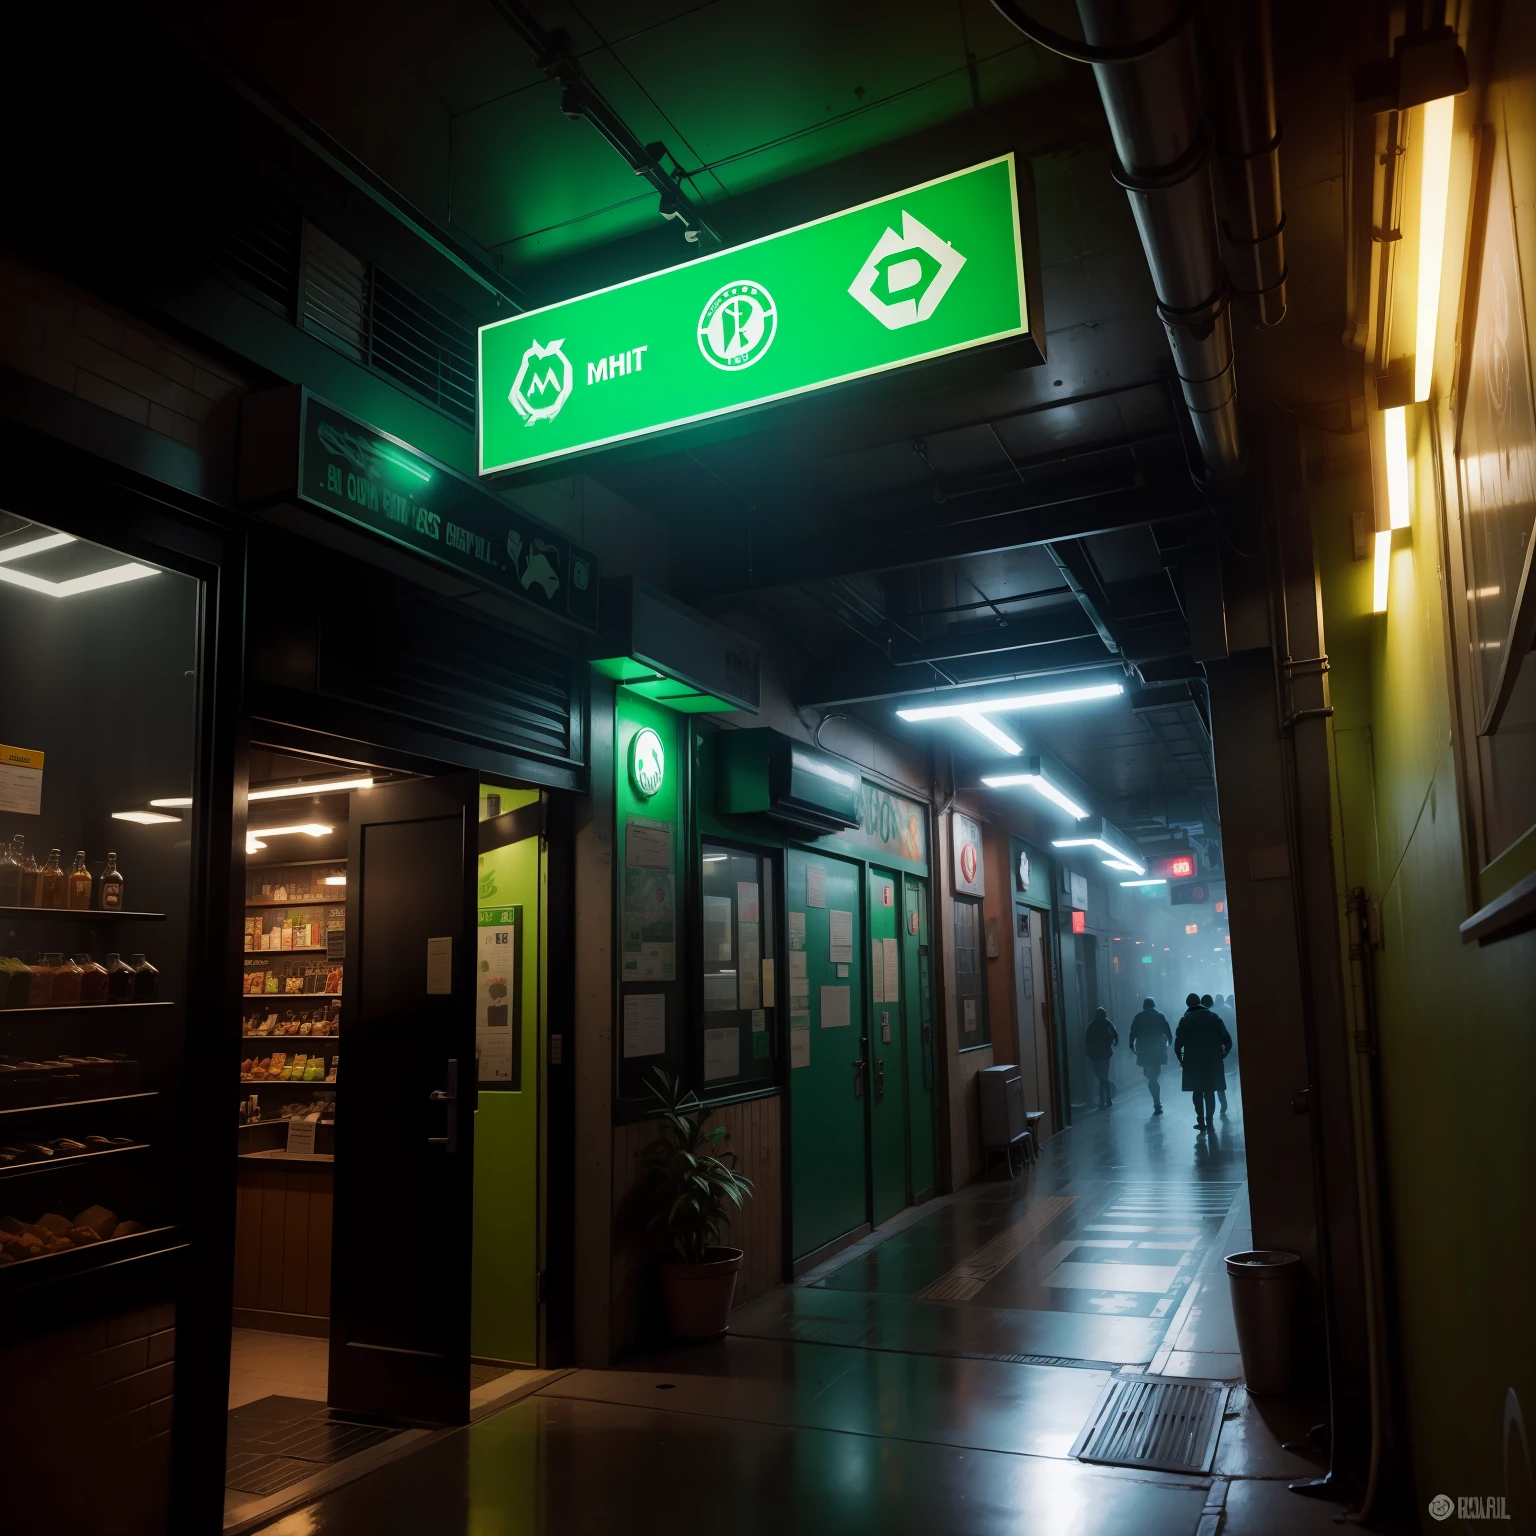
{"x":1201,"y":1043}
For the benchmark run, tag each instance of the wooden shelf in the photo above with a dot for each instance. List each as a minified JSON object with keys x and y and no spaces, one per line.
{"x":27,"y":1274}
{"x":278,"y":1082}
{"x":298,"y":949}
{"x":111,"y":1098}
{"x":21,"y":1013}
{"x":53,"y":1163}
{"x":82,"y":915}
{"x":290,"y":1037}
{"x":324,"y":901}
{"x":271,"y":997}
{"x":255,"y":863}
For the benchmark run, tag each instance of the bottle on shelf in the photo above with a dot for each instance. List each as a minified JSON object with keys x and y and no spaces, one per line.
{"x":109,"y":889}
{"x":78,"y":885}
{"x":10,"y":872}
{"x":51,"y":882}
{"x":93,"y":980}
{"x":119,"y":980}
{"x":29,"y":878}
{"x":145,"y":979}
{"x":67,"y":978}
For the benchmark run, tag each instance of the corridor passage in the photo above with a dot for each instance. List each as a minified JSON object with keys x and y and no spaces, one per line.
{"x":931,"y":1379}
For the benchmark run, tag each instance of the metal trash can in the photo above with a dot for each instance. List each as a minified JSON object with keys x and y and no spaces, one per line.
{"x":1264,"y":1297}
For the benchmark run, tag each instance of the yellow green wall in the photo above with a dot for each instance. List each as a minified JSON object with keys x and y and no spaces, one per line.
{"x":504,"y":1311}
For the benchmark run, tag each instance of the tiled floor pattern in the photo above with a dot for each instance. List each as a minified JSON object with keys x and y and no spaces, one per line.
{"x":263,"y":1364}
{"x":278,"y":1441}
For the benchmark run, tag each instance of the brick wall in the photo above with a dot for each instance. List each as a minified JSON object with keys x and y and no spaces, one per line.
{"x":85,"y":1426}
{"x":52,"y":331}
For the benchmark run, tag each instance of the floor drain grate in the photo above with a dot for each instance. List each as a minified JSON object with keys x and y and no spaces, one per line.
{"x":1064,"y":1361}
{"x":1159,"y":1423}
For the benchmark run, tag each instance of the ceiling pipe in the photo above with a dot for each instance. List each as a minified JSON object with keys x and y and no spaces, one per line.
{"x":1142,"y":57}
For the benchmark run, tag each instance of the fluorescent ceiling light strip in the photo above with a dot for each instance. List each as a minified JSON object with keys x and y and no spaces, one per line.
{"x":34,"y":546}
{"x":290,"y":791}
{"x":1123,"y":864}
{"x":1396,"y":425}
{"x":1021,"y":701}
{"x":112,"y":577}
{"x":1381,"y":571}
{"x":173,"y":801}
{"x":309,"y":828}
{"x":1103,"y":847}
{"x":1041,"y":785}
{"x":984,"y":727}
{"x":1143,"y":882}
{"x":143,"y":818}
{"x":1434,"y":191}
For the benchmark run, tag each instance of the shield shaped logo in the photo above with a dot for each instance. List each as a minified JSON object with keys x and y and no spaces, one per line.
{"x":543,"y":383}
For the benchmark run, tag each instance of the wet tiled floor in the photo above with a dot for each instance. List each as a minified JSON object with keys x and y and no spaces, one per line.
{"x":932,"y":1378}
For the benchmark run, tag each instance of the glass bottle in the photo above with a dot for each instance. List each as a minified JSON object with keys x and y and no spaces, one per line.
{"x":93,"y":980}
{"x":78,"y":886}
{"x":43,"y":969}
{"x":51,"y":882}
{"x":29,"y":874}
{"x":10,"y":872}
{"x":119,"y":980}
{"x":145,"y":978}
{"x":67,"y":979}
{"x":109,"y":889}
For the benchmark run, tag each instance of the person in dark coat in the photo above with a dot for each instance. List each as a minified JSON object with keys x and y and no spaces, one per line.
{"x":1102,"y":1040}
{"x":1150,"y":1038}
{"x":1209,"y":1004}
{"x":1201,"y":1043}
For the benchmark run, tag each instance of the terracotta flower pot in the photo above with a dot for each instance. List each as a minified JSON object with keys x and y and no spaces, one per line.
{"x":698,"y":1296}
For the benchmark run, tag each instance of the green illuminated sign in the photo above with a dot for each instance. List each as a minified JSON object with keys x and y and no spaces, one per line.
{"x":647,"y":762}
{"x":933,"y":270}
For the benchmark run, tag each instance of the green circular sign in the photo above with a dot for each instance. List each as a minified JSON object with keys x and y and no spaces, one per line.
{"x":647,"y":762}
{"x":737,"y":326}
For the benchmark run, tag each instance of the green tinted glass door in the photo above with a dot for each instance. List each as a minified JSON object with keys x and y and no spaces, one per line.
{"x":828,"y":1072}
{"x":887,"y":1065}
{"x":917,"y":1011}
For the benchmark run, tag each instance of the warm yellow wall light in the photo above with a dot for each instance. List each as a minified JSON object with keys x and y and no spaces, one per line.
{"x":1434,"y":189}
{"x":1396,"y":427}
{"x":1382,"y":569}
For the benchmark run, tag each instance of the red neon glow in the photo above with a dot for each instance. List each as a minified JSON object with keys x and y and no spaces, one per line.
{"x":1079,"y":922}
{"x":1221,"y":906}
{"x":1191,"y":927}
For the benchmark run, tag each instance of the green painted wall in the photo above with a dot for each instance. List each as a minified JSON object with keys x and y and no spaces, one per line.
{"x":1457,"y":1051}
{"x":504,"y":1313}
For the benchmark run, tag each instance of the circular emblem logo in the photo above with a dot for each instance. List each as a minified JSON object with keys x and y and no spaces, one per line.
{"x":737,"y":326}
{"x":647,"y":762}
{"x":1023,"y":870}
{"x":1441,"y":1507}
{"x":968,"y":863}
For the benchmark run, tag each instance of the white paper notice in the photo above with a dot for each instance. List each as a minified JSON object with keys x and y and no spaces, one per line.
{"x":970,"y":1015}
{"x":834,"y":1007}
{"x":797,"y":964}
{"x":717,"y":929}
{"x":496,"y":981}
{"x":797,"y":930}
{"x":645,"y":1023}
{"x":439,"y":967}
{"x":876,"y":972}
{"x":647,"y":844}
{"x":892,"y":971}
{"x":799,"y":1040}
{"x":722,"y":1053}
{"x":720,"y":992}
{"x":842,"y":970}
{"x":815,"y":886}
{"x":658,"y":962}
{"x":759,"y":1020}
{"x":748,"y":971}
{"x":841,"y":927}
{"x":746,"y":901}
{"x":301,"y":1134}
{"x":21,"y":781}
{"x":768,"y":980}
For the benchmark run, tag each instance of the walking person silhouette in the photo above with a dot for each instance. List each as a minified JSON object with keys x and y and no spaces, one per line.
{"x":1150,"y":1038}
{"x":1102,"y":1038}
{"x":1209,"y":1004}
{"x":1201,"y":1043}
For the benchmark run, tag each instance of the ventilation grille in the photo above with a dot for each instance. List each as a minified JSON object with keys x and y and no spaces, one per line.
{"x":255,"y":245}
{"x":424,"y":349}
{"x":1154,"y":1422}
{"x":335,"y":294}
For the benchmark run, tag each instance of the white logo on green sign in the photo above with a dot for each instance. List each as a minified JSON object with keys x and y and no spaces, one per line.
{"x":538,"y":392}
{"x":737,"y":326}
{"x":647,"y":762}
{"x":906,"y":275}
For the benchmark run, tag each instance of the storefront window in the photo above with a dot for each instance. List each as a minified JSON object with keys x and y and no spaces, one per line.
{"x":738,"y":987}
{"x":970,"y":976}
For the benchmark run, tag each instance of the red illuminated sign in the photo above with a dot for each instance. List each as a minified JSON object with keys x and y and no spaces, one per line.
{"x":1175,"y":866}
{"x":1079,"y":922}
{"x":1191,"y":927}
{"x":1221,"y":906}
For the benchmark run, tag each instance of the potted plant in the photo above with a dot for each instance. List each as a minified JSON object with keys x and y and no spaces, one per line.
{"x":691,"y":1190}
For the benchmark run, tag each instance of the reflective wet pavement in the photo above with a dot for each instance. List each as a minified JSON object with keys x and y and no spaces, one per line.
{"x":931,"y":1379}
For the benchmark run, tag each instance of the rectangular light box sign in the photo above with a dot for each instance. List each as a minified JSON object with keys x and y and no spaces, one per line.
{"x":934,"y":270}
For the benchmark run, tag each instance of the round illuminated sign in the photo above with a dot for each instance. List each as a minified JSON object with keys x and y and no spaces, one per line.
{"x":647,"y":762}
{"x":1023,"y":870}
{"x":968,"y":863}
{"x":737,"y":326}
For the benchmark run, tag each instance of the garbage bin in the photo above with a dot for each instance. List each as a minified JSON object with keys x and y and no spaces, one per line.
{"x":1264,"y":1295}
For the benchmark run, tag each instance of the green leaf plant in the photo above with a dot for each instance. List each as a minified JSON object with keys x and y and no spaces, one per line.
{"x":691,"y":1188}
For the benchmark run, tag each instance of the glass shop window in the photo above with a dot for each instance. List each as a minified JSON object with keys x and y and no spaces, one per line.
{"x":736,"y":1046}
{"x":970,"y":976}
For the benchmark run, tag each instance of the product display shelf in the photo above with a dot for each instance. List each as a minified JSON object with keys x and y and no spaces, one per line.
{"x":289,"y":1083}
{"x":83,"y":914}
{"x":302,"y":901}
{"x":8,"y":1115}
{"x":270,"y":1036}
{"x":50,"y":1267}
{"x":53,"y":1164}
{"x":298,"y":949}
{"x":47,"y":1008}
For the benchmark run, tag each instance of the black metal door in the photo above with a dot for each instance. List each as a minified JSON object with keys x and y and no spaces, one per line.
{"x":403,"y":1223}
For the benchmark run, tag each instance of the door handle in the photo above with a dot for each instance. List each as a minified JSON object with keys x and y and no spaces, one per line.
{"x":858,"y":1078}
{"x":879,"y":1080}
{"x":450,"y":1097}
